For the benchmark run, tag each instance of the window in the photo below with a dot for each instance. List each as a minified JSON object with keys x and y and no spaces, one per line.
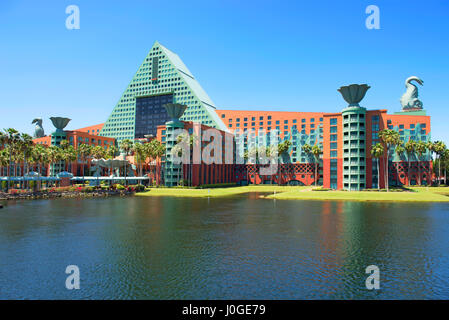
{"x":222,"y":115}
{"x":333,"y":145}
{"x":333,"y":129}
{"x":333,"y":137}
{"x":333,"y":154}
{"x":375,"y":118}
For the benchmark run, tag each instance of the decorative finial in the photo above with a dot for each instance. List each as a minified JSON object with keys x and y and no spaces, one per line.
{"x":409,"y":99}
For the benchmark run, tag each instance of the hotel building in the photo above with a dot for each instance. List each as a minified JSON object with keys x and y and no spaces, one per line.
{"x":345,"y":137}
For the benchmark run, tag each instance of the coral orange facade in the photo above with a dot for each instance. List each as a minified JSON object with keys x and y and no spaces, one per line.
{"x":75,"y":138}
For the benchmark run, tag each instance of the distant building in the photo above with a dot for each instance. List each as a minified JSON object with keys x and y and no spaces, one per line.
{"x":75,"y":138}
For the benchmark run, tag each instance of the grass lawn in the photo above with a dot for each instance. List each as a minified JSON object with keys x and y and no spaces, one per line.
{"x":216,"y":192}
{"x":422,"y":194}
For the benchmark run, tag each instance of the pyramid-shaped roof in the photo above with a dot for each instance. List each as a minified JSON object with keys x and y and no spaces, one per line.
{"x":161,"y":72}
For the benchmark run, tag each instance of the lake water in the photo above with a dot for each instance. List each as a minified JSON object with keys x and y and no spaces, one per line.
{"x":228,"y":248}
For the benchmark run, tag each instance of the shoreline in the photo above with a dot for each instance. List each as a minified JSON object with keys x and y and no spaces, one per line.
{"x":415,"y":194}
{"x":63,"y":194}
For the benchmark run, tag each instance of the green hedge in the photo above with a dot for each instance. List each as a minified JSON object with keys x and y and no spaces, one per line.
{"x":321,"y":189}
{"x":217,"y":185}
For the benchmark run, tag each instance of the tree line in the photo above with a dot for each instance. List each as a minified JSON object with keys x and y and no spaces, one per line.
{"x":18,"y":152}
{"x":390,"y":140}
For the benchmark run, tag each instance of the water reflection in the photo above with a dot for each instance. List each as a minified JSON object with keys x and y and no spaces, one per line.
{"x":235,"y":247}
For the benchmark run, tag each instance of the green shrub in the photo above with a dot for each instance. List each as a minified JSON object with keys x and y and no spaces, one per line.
{"x":217,"y":185}
{"x":321,"y":189}
{"x":4,"y":184}
{"x":87,"y":189}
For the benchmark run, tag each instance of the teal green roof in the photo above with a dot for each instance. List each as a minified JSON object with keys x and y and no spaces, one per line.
{"x":174,"y":77}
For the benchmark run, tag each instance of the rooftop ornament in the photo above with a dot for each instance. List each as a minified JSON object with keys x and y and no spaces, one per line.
{"x":409,"y":99}
{"x":38,"y":129}
{"x":60,"y":123}
{"x":175,"y":111}
{"x":354,"y":93}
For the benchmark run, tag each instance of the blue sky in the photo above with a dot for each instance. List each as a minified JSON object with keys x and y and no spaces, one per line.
{"x":255,"y":55}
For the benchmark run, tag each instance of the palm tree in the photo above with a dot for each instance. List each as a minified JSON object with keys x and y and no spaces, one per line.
{"x":126,"y":146}
{"x":420,"y":149}
{"x":445,"y":159}
{"x":39,"y":156}
{"x":271,"y":153}
{"x":64,"y":144}
{"x":140,"y":157}
{"x":3,"y":138}
{"x":410,"y":148}
{"x":316,"y":151}
{"x":400,"y":150}
{"x":98,"y":152}
{"x":111,"y":153}
{"x":3,"y":159}
{"x":159,"y":152}
{"x":377,"y":151}
{"x":11,"y":138}
{"x":149,"y":150}
{"x":283,"y":148}
{"x":389,"y":139}
{"x":54,"y":156}
{"x":84,"y":151}
{"x":439,"y":148}
{"x":307,"y":148}
{"x":26,"y":144}
{"x":70,"y":157}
